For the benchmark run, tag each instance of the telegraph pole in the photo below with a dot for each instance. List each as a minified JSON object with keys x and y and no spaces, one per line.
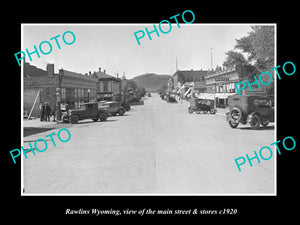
{"x":211,"y":59}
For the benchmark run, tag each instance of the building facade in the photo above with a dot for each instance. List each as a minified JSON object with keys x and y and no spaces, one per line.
{"x":108,"y":87}
{"x":222,"y":81}
{"x":192,"y":78}
{"x":187,"y":82}
{"x":38,"y":86}
{"x":66,"y":87}
{"x":77,"y":88}
{"x":221,"y":84}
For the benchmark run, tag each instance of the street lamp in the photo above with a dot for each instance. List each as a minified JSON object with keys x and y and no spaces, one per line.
{"x":58,"y":99}
{"x":88,"y":95}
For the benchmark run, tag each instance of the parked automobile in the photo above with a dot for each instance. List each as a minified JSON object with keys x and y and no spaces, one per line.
{"x":254,"y":109}
{"x":86,"y":111}
{"x":171,"y":99}
{"x":112,"y":107}
{"x":125,"y":105}
{"x":199,"y":105}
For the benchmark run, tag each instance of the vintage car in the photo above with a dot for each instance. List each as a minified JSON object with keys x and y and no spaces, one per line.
{"x":112,"y":107}
{"x":199,"y":105}
{"x":126,"y":106}
{"x":254,"y":109}
{"x":86,"y":111}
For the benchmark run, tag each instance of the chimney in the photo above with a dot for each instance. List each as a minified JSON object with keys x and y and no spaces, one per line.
{"x":99,"y":69}
{"x":50,"y":69}
{"x":90,"y":73}
{"x":104,"y":71}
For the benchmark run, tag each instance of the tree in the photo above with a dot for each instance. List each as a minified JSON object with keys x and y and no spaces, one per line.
{"x":243,"y":67}
{"x":258,"y":47}
{"x":130,"y":85}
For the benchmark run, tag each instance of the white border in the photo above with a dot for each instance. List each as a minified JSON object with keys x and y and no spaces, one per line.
{"x":156,"y":194}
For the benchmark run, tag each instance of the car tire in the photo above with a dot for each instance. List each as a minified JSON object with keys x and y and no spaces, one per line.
{"x":212,"y":111}
{"x":103,"y":116}
{"x":198,"y":111}
{"x":121,"y":112}
{"x":74,"y":119}
{"x":233,"y":124}
{"x":255,"y":122}
{"x":236,"y":111}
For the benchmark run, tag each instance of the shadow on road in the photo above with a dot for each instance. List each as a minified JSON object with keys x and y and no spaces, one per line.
{"x":34,"y":130}
{"x":261,"y":128}
{"x":137,"y":103}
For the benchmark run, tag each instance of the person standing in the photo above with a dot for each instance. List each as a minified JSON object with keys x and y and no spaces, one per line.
{"x":42,"y":109}
{"x":48,"y":112}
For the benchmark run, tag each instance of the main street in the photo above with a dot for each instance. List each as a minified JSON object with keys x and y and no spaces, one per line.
{"x":155,"y":148}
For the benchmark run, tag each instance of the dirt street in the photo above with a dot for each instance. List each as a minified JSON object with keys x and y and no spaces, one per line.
{"x":156,"y":148}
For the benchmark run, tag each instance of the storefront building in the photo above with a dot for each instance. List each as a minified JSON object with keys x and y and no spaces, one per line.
{"x":221,"y":84}
{"x":66,"y":87}
{"x":77,"y":88}
{"x":108,"y":87}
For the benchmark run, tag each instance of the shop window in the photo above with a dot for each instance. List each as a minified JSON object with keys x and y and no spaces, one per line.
{"x":105,"y":86}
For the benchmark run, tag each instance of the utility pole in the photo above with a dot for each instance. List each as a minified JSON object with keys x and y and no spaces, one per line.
{"x":211,"y":59}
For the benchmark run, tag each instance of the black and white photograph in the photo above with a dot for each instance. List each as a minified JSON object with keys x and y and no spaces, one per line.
{"x":148,"y":116}
{"x":129,"y":111}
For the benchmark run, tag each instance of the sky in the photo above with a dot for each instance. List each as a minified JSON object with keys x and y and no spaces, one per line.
{"x":113,"y":47}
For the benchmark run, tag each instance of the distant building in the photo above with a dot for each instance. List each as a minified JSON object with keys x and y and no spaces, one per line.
{"x":108,"y":87}
{"x":194,"y":79}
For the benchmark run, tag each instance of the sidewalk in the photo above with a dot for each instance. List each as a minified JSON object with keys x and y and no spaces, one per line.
{"x":34,"y":125}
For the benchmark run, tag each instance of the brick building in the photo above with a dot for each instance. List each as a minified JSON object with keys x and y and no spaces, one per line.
{"x":77,"y":88}
{"x":38,"y":85}
{"x":41,"y":85}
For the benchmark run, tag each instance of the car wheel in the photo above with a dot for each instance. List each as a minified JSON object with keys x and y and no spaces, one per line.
{"x":198,"y":111}
{"x":212,"y":111}
{"x":103,"y":116}
{"x":236,"y":114}
{"x":255,"y":122}
{"x":265,"y":123}
{"x":121,"y":112}
{"x":74,"y":119}
{"x":191,"y":110}
{"x":233,"y":124}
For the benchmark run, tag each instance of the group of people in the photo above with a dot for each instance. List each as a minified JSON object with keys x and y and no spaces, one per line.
{"x":45,"y":109}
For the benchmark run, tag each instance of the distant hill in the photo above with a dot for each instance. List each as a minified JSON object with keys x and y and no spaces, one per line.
{"x":151,"y":81}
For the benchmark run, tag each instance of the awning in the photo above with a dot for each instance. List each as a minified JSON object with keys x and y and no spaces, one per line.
{"x":224,"y":95}
{"x":206,"y":96}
